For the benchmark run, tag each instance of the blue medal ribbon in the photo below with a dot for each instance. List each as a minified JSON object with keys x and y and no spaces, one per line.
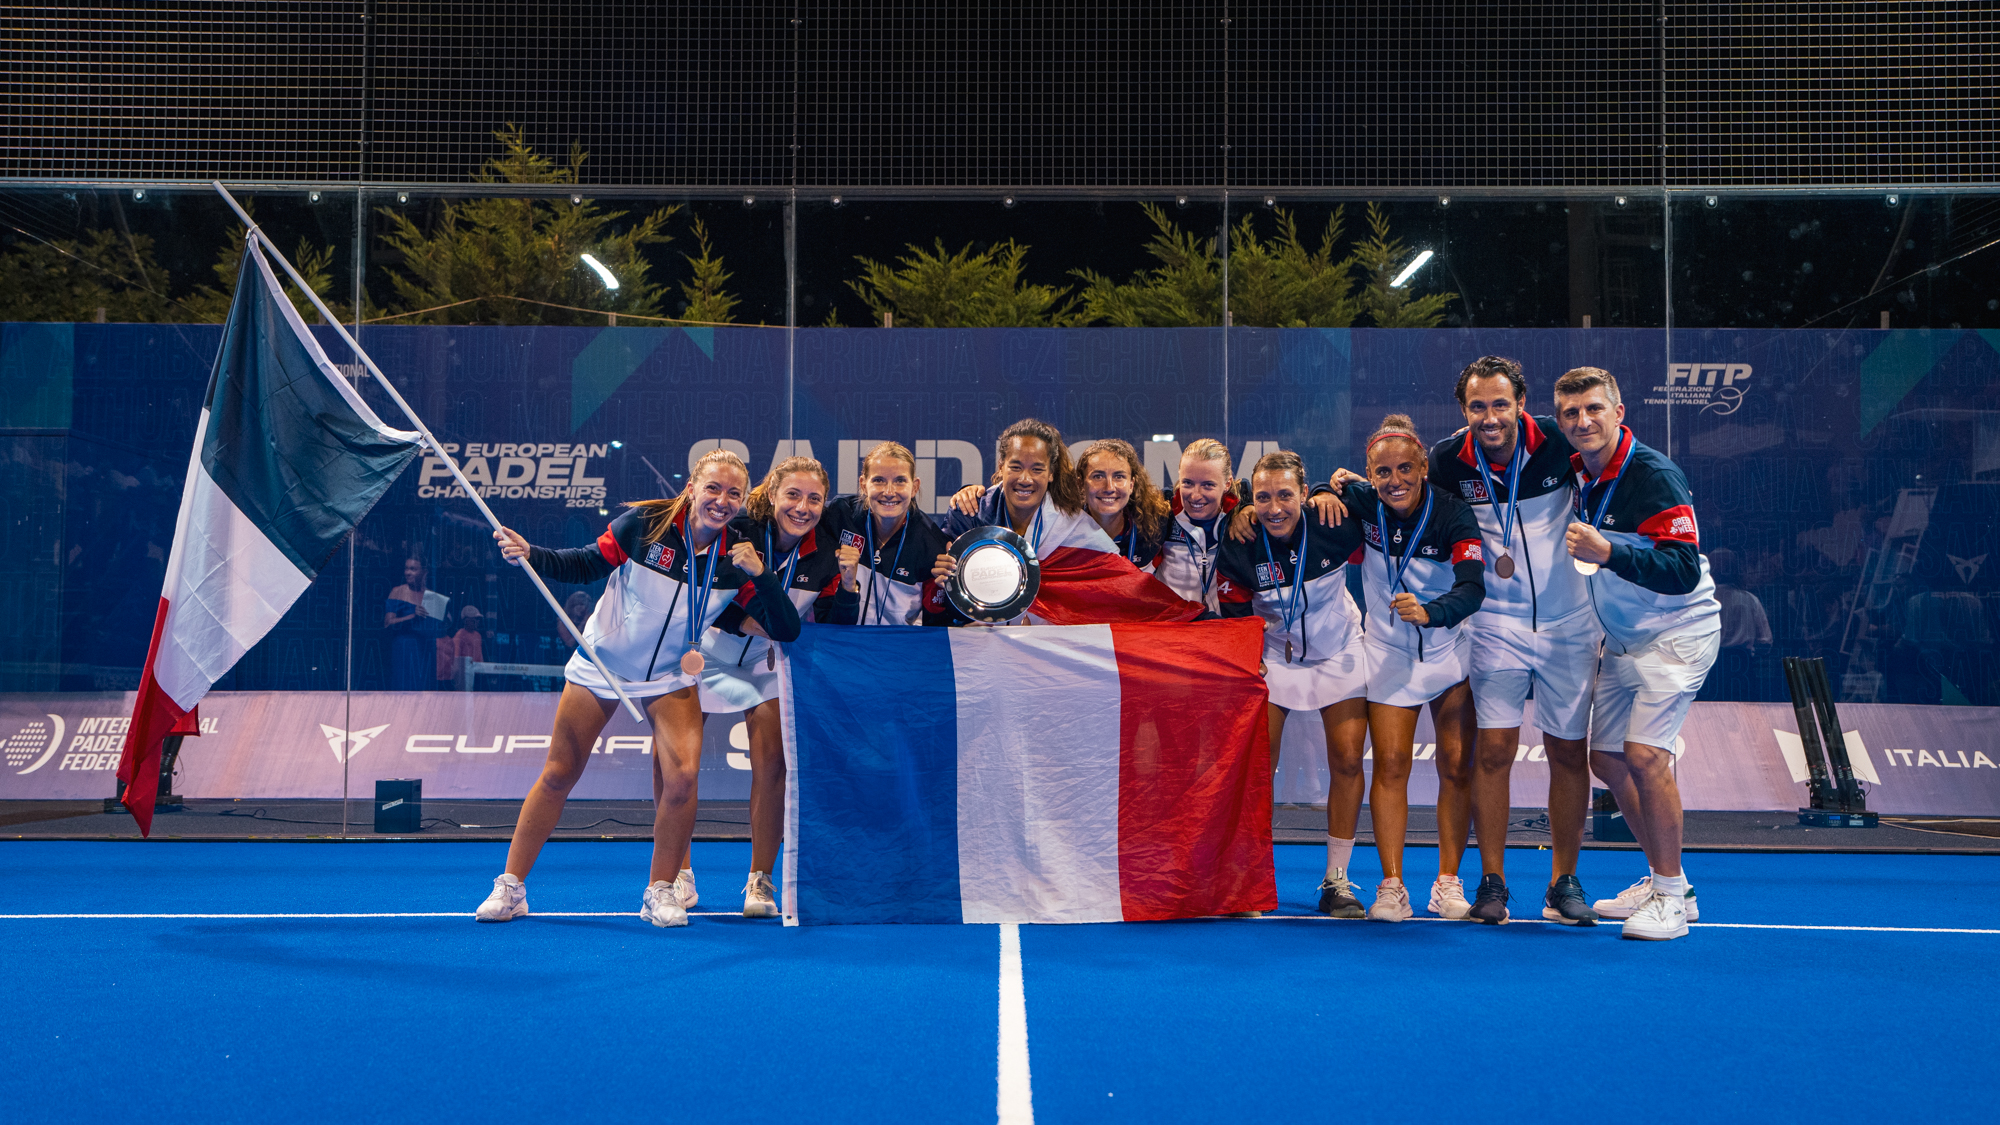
{"x":875,"y":560}
{"x":1603,"y":508}
{"x":1288,"y":608}
{"x":1393,"y":565}
{"x":1513,"y":488}
{"x":791,"y":566}
{"x":698,"y":591}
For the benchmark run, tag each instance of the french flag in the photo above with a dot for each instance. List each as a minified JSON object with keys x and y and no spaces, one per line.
{"x":1083,"y":773}
{"x":287,"y":461}
{"x":1085,"y":580}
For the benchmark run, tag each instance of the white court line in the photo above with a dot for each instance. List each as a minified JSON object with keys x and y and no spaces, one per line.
{"x":1008,"y":925}
{"x":1016,"y":1100}
{"x":1691,"y":925}
{"x":432,"y":914}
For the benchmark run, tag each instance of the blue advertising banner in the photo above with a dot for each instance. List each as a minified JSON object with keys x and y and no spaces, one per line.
{"x":1847,"y":483}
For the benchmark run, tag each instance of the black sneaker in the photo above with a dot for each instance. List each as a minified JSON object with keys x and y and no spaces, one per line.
{"x":1336,"y":899}
{"x":1565,"y":903}
{"x":1489,"y":902}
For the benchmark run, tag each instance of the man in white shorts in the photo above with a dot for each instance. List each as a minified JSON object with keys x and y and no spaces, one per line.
{"x":1636,"y":543}
{"x":1536,"y":627}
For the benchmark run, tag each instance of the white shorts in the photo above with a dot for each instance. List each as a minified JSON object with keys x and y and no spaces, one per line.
{"x":1314,"y":684}
{"x":1643,"y":696}
{"x":1398,"y":679}
{"x":1560,"y":661}
{"x":581,"y":672}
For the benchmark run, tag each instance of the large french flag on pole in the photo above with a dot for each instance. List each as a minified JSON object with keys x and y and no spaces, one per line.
{"x":287,"y":460}
{"x":1084,"y":773}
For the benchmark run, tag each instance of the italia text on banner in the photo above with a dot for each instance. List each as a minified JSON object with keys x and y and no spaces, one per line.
{"x":287,"y":460}
{"x":1086,"y":773}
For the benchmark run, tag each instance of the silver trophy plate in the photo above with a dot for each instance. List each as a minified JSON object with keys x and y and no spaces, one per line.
{"x":998,"y":574}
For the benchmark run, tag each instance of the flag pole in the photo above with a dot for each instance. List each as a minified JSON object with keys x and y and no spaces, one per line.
{"x":430,"y":440}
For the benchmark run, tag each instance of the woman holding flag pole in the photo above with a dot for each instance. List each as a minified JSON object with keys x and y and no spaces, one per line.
{"x":1426,"y":574}
{"x":783,"y":519}
{"x":665,"y":561}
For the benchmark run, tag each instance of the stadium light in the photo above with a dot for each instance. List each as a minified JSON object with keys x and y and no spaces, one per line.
{"x":610,"y":282}
{"x":1416,"y":264}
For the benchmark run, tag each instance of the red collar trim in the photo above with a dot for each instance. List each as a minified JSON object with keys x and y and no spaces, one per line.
{"x":1618,"y":457}
{"x":1531,"y":435}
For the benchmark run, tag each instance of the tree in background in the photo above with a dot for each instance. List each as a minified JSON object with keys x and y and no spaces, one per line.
{"x":706,"y":300}
{"x":209,"y":304}
{"x":936,"y":289}
{"x":1183,"y":291}
{"x":1382,"y":258}
{"x":1273,"y":283}
{"x":103,"y":274}
{"x":517,"y":260}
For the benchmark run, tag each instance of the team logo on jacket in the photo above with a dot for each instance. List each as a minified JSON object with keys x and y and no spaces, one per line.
{"x":1373,"y":533}
{"x":1550,"y":482}
{"x":1269,"y":574}
{"x":1428,"y":551}
{"x":851,"y":539}
{"x":1475,"y":491}
{"x":660,"y":555}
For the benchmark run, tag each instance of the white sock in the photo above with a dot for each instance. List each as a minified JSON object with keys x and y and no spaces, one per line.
{"x":1338,"y":853}
{"x":1670,"y":884}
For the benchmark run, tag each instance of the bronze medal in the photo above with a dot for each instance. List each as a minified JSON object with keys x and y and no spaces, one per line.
{"x":692,"y":662}
{"x":770,"y":657}
{"x":1288,"y":650}
{"x":1504,"y":566}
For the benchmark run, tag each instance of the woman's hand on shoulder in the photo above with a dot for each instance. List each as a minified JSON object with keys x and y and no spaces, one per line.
{"x":1331,"y":510}
{"x":967,"y":499}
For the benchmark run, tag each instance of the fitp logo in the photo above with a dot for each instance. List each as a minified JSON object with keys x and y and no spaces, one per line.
{"x":36,"y":742}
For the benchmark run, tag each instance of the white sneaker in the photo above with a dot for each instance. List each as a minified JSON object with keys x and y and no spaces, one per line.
{"x":508,"y":901}
{"x":1448,"y":898}
{"x":1635,"y":896}
{"x":1662,"y":917}
{"x":1392,"y":902}
{"x":758,"y":901}
{"x":684,"y":888}
{"x":661,"y":906}
{"x":1627,"y":900}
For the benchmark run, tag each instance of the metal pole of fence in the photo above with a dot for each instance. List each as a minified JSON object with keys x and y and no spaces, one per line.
{"x":430,"y":440}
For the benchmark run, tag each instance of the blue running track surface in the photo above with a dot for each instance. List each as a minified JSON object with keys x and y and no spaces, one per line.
{"x":313,"y":1017}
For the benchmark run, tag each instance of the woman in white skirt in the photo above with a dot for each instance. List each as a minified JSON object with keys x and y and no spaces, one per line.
{"x":671,"y":567}
{"x":1292,"y":572}
{"x":1424,"y":574}
{"x":782,"y":520}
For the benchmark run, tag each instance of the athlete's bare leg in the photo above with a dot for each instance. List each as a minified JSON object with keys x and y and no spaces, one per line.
{"x":1569,"y":800}
{"x":1452,"y":719}
{"x":1642,"y":780}
{"x":580,"y":718}
{"x":1346,"y":726}
{"x":677,"y":722}
{"x":1392,"y":728}
{"x":1492,"y":786}
{"x":767,"y":784}
{"x":1275,"y":715}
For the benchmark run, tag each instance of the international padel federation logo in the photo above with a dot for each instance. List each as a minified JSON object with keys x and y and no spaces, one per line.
{"x":33,"y":745}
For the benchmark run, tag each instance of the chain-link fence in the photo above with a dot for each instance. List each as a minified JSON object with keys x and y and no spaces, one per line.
{"x":1071,"y":95}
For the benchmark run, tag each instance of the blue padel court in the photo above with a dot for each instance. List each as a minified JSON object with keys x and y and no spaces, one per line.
{"x":323,"y":982}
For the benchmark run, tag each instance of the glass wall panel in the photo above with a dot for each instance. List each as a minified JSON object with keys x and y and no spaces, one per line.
{"x":1834,"y":401}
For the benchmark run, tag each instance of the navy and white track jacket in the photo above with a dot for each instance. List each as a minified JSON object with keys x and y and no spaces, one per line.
{"x":639,"y":627}
{"x":1249,"y":582}
{"x":815,"y":588}
{"x":1187,"y":558}
{"x":895,"y":576}
{"x":1657,"y":580}
{"x":1545,"y":588}
{"x":1447,"y":573}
